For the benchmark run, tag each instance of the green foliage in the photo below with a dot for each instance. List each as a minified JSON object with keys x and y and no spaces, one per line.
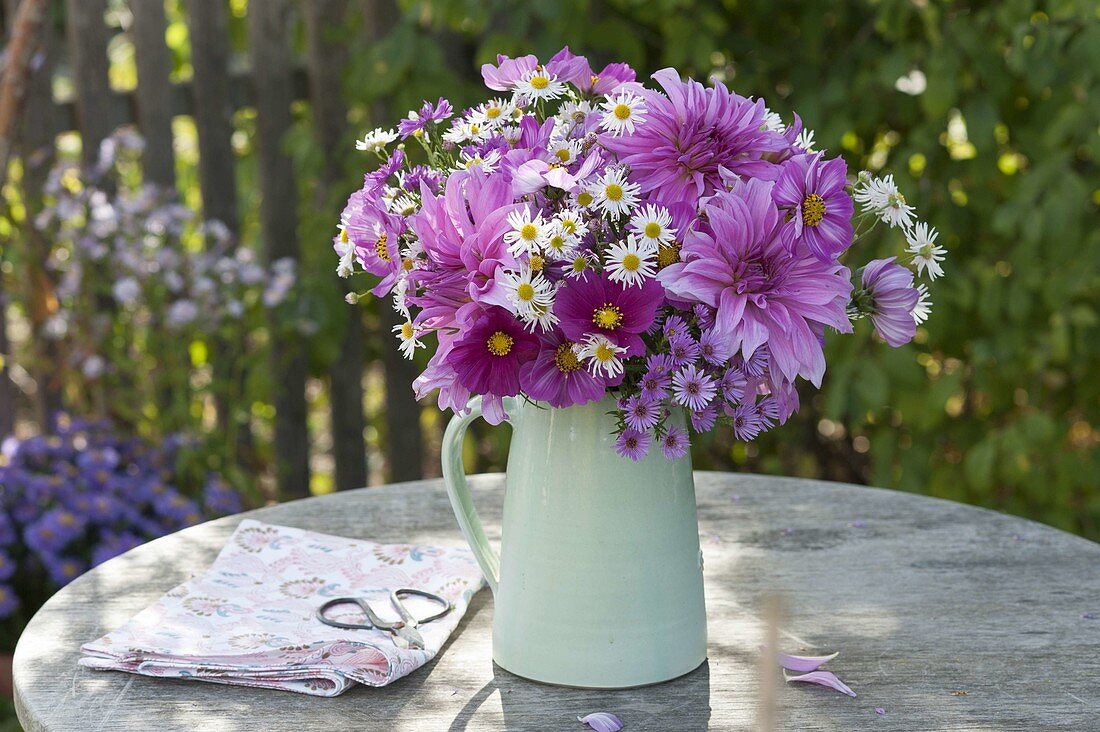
{"x":995,"y":139}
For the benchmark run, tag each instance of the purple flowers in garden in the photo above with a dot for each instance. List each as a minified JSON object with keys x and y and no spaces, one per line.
{"x":581,"y":234}
{"x":75,"y":499}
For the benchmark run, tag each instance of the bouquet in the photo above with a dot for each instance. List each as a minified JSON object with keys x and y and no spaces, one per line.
{"x":582,"y":234}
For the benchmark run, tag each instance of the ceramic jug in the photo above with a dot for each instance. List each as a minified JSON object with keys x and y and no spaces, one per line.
{"x":599,"y":579}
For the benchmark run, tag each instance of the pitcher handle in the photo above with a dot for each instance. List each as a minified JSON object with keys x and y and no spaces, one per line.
{"x":454,"y":478}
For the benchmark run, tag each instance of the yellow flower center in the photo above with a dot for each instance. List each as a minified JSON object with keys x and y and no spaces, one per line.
{"x":537,"y":263}
{"x":525,"y":292}
{"x":565,"y":358}
{"x":593,"y":80}
{"x":381,"y":250}
{"x":475,"y":129}
{"x":613,"y":191}
{"x":529,"y":232}
{"x":813,"y":210}
{"x":539,"y":82}
{"x":631,"y":262}
{"x":622,"y":111}
{"x":344,"y":236}
{"x":608,"y":316}
{"x":653,"y":230}
{"x":580,"y":264}
{"x":667,"y":254}
{"x":407,"y":330}
{"x":407,"y":264}
{"x":556,"y":242}
{"x":418,"y":132}
{"x":604,"y":353}
{"x":500,"y":343}
{"x":584,"y":198}
{"x":493,"y":112}
{"x":569,"y":226}
{"x":563,"y":154}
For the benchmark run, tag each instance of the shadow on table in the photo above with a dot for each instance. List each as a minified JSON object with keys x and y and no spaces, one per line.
{"x":681,"y":704}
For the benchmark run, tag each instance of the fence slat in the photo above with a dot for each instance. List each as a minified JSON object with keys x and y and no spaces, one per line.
{"x":327,"y":64}
{"x":269,"y":34}
{"x":87,"y":40}
{"x":154,"y":95}
{"x":209,"y":32}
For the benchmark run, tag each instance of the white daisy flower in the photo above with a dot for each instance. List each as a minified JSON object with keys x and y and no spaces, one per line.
{"x":622,"y":112}
{"x":405,"y":205}
{"x":565,"y":151}
{"x":560,"y":245}
{"x":400,"y":297}
{"x":631,"y":262}
{"x":923,"y":308}
{"x":584,"y":197}
{"x":347,"y":253}
{"x":805,"y":140}
{"x":772,"y":121}
{"x":493,"y":113}
{"x":409,"y":337}
{"x":488,"y":162}
{"x":881,"y":195}
{"x":468,"y":131}
{"x":922,"y":245}
{"x":528,"y":234}
{"x":511,"y":134}
{"x":376,"y":140}
{"x":582,"y":264}
{"x":602,"y":355}
{"x":537,"y":84}
{"x":572,"y":224}
{"x":528,"y":291}
{"x":615,"y":195}
{"x":652,"y":224}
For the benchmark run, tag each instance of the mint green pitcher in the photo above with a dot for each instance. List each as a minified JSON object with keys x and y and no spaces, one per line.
{"x":599,"y":581}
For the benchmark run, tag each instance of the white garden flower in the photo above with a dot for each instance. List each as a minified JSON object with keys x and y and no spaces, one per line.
{"x":346,"y":267}
{"x":468,"y":131}
{"x":488,"y":162}
{"x":565,"y":151}
{"x":531,"y":294}
{"x":528,"y":234}
{"x":881,"y":195}
{"x":126,"y":291}
{"x":805,"y":140}
{"x":572,"y":224}
{"x":493,"y":113}
{"x":376,"y":140}
{"x":602,"y":355}
{"x":923,"y":308}
{"x":614,"y":194}
{"x":409,"y":338}
{"x":560,"y":245}
{"x":537,"y":84}
{"x":622,"y":112}
{"x":400,"y":297}
{"x":653,"y":224}
{"x":581,"y":265}
{"x":922,"y":245}
{"x":631,"y":262}
{"x":772,"y":121}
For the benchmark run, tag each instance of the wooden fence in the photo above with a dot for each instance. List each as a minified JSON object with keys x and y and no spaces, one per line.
{"x":211,"y":98}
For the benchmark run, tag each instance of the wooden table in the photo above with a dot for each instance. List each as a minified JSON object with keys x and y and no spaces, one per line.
{"x":947,"y":617}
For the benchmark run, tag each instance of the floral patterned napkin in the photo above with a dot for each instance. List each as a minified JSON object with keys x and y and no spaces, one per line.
{"x":250,"y":619}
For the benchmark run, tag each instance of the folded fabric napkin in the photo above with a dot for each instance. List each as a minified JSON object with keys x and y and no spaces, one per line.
{"x":250,"y":619}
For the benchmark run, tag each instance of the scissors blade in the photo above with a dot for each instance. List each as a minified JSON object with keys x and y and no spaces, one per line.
{"x":408,"y":637}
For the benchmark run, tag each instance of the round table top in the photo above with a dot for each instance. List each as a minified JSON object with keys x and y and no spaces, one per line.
{"x":946,"y":617}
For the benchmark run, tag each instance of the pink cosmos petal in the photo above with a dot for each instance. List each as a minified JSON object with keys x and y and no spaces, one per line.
{"x":602,"y":722}
{"x":824,"y":678}
{"x":803,"y":664}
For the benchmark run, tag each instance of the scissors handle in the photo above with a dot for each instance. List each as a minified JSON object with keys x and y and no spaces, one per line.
{"x":373,"y":620}
{"x":408,"y":617}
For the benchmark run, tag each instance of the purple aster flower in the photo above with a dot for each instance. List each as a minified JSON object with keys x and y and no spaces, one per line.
{"x":747,"y":422}
{"x":755,"y":365}
{"x":641,"y":413}
{"x":674,"y":443}
{"x":713,"y":348}
{"x":822,"y":210}
{"x":674,"y":325}
{"x":659,"y":364}
{"x":9,"y":601}
{"x":703,"y":419}
{"x":7,"y":528}
{"x":682,"y":349}
{"x":632,"y":444}
{"x":53,"y":530}
{"x":507,"y":71}
{"x":7,"y":567}
{"x":63,"y":570}
{"x":427,"y":113}
{"x":765,"y":295}
{"x":892,"y":296}
{"x":219,"y":498}
{"x":655,"y":384}
{"x":488,"y":356}
{"x":692,"y":388}
{"x":558,"y":377}
{"x":732,"y":385}
{"x":598,"y":305}
{"x":689,"y":135}
{"x":704,"y":315}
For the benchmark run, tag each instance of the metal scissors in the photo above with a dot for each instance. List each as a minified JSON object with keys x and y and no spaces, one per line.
{"x":404,"y":630}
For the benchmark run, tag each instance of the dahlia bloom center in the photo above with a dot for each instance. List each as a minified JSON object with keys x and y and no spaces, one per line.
{"x":813,"y":210}
{"x":565,"y":358}
{"x":607,"y":316}
{"x":500,"y":343}
{"x":667,"y":254}
{"x":536,"y":262}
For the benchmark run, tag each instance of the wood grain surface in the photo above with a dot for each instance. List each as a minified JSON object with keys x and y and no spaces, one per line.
{"x":946,"y":617}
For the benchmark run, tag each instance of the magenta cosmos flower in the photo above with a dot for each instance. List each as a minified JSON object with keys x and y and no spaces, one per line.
{"x":507,"y":71}
{"x":813,"y":188}
{"x":598,"y":305}
{"x":893,"y":297}
{"x":687,"y":136}
{"x":488,"y":357}
{"x":765,"y":295}
{"x":558,"y":377}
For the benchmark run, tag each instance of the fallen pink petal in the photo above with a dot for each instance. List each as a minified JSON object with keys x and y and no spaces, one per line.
{"x":802,"y":664}
{"x":823,"y":678}
{"x":880,"y":711}
{"x":602,"y":722}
